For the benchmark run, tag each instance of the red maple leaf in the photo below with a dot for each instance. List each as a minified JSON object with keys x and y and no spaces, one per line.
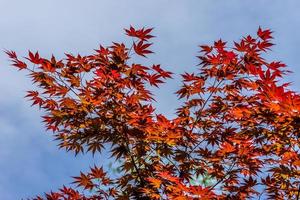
{"x":143,"y":34}
{"x":141,"y":48}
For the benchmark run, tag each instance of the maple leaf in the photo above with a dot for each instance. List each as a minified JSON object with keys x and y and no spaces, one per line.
{"x":16,"y":62}
{"x":34,"y":58}
{"x":241,"y":47}
{"x":141,"y":48}
{"x":103,"y":51}
{"x":163,"y":73}
{"x":84,"y":181}
{"x":94,"y":147}
{"x":154,"y":79}
{"x":34,"y":96}
{"x":264,"y":45}
{"x":219,"y":45}
{"x":97,"y":172}
{"x":206,"y":49}
{"x":143,"y":34}
{"x":264,"y":34}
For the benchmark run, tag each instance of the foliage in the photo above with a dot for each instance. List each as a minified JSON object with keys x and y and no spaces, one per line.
{"x":236,"y":135}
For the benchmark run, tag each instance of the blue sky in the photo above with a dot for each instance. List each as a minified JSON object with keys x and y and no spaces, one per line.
{"x":29,"y":160}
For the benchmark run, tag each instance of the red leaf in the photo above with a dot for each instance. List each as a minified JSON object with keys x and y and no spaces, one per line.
{"x":141,"y":48}
{"x":155,"y":79}
{"x":163,"y":73}
{"x":241,"y":46}
{"x":84,"y":181}
{"x":206,"y":49}
{"x":34,"y":96}
{"x":143,"y":34}
{"x":97,"y":172}
{"x":16,"y":62}
{"x":264,"y":34}
{"x":34,"y":58}
{"x":219,"y":45}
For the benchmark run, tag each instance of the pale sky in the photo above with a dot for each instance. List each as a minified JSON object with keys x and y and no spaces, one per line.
{"x":30,"y":163}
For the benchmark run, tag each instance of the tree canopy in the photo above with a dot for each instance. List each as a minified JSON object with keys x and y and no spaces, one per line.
{"x":235,"y":136}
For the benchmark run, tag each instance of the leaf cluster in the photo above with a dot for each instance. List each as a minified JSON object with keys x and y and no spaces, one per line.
{"x":238,"y":126}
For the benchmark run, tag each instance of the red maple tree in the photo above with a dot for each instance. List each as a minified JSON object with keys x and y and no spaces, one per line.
{"x":235,"y":136}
